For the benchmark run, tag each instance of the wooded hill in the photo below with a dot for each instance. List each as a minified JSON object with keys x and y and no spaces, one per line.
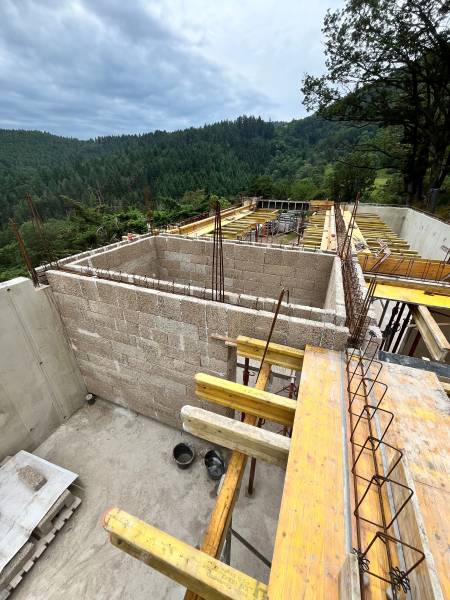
{"x":91,"y":192}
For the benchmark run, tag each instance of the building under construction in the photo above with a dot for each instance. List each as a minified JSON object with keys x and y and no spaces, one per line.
{"x":249,"y":405}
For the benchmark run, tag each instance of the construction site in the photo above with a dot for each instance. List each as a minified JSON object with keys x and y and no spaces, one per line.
{"x":253,"y":404}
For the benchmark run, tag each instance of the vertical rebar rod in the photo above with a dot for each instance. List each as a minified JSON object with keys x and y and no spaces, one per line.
{"x":260,"y":421}
{"x":217,"y":283}
{"x":24,"y":253}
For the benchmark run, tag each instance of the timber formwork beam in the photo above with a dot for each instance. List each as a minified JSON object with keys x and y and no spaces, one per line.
{"x":220,"y":519}
{"x":277,"y":354}
{"x":253,"y":441}
{"x":248,"y":400}
{"x":432,"y":335}
{"x":183,"y":563}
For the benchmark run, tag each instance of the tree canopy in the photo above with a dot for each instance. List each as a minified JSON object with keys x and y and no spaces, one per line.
{"x":388,"y":63}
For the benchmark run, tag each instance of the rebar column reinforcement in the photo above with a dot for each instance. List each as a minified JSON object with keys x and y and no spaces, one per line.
{"x":217,"y":285}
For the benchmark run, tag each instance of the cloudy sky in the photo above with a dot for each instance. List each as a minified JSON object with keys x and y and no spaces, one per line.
{"x":85,"y":68}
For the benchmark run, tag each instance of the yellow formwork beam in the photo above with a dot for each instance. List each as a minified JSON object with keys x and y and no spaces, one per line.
{"x":183,"y":563}
{"x":277,"y":354}
{"x":310,"y":542}
{"x":412,"y":295}
{"x":245,"y":399}
{"x":235,"y":435}
{"x":223,"y":509}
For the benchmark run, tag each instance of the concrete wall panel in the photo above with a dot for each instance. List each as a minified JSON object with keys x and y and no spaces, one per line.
{"x":40,"y":382}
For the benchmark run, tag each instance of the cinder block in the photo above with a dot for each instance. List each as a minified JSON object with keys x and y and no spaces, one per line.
{"x":64,"y":283}
{"x":128,"y":350}
{"x":105,"y":309}
{"x":147,"y":301}
{"x":105,"y":291}
{"x":169,"y":306}
{"x":126,"y":296}
{"x":273,"y":256}
{"x":127,"y":327}
{"x":216,"y":317}
{"x":89,"y":288}
{"x":98,"y":388}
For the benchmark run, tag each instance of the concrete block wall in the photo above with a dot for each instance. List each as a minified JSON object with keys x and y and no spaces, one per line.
{"x":252,"y":269}
{"x":141,"y":348}
{"x":139,"y":257}
{"x":40,"y":382}
{"x":256,"y":270}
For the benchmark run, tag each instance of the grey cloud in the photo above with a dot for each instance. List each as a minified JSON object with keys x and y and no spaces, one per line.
{"x":98,"y":67}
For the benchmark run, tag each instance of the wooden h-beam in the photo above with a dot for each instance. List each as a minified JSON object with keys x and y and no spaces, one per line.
{"x":277,"y":354}
{"x":190,"y":567}
{"x":230,"y":433}
{"x":432,"y":335}
{"x":254,"y":401}
{"x":221,"y":516}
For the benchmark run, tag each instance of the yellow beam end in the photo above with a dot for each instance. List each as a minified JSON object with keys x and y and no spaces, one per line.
{"x":204,"y":575}
{"x":245,"y":399}
{"x":277,"y":354}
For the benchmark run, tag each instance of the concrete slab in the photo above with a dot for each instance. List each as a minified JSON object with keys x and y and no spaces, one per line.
{"x":125,"y":459}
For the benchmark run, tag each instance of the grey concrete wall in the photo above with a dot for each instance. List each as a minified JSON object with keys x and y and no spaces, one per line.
{"x":40,"y":382}
{"x":141,"y":348}
{"x":425,"y":234}
{"x":393,"y":216}
{"x":257,"y":270}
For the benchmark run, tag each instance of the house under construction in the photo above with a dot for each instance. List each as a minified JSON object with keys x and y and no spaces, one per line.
{"x":301,"y":345}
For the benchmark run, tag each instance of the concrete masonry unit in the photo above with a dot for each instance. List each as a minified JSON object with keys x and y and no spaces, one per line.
{"x":140,"y":347}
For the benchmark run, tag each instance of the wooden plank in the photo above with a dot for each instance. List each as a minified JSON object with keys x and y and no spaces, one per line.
{"x":245,"y":399}
{"x":219,"y":521}
{"x":277,"y":354}
{"x":431,"y":333}
{"x":412,"y":267}
{"x":252,"y":441}
{"x":349,"y":584}
{"x":180,"y":561}
{"x":421,"y":429}
{"x":413,"y":295}
{"x":423,"y":579}
{"x":309,"y":546}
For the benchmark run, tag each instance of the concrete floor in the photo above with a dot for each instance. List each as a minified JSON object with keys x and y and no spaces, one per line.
{"x":124,"y":459}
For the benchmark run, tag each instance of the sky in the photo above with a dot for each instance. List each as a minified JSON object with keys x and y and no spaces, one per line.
{"x":87,"y":68}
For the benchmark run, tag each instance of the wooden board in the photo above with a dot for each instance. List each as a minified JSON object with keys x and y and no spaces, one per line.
{"x":230,"y":433}
{"x":421,"y":427}
{"x":245,"y":399}
{"x":412,"y":295}
{"x":435,"y":341}
{"x":309,"y":547}
{"x":277,"y":354}
{"x":181,"y":562}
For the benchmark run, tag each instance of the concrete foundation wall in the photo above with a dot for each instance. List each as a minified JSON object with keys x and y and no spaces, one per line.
{"x":424,"y":233}
{"x":141,"y":348}
{"x":255,"y":270}
{"x":40,"y":382}
{"x":393,"y":216}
